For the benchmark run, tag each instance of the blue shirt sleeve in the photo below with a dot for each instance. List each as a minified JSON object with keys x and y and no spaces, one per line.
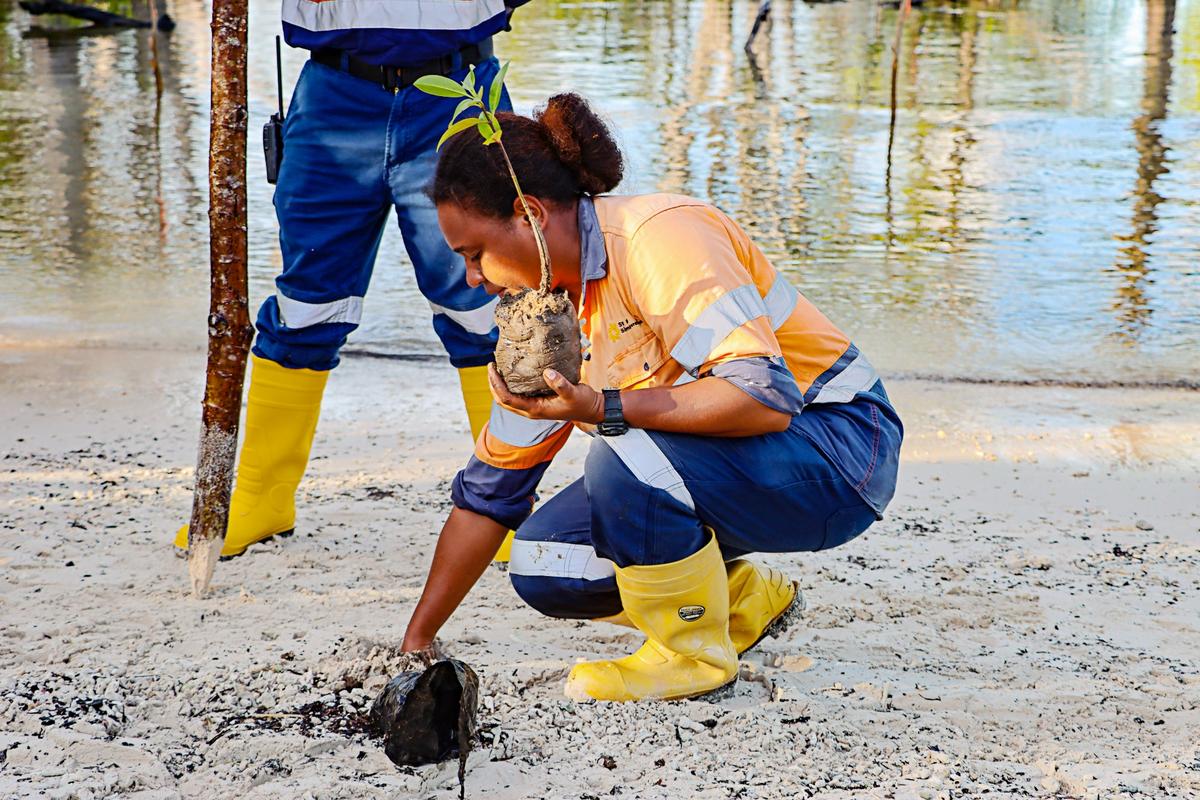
{"x":503,"y":495}
{"x":767,"y":380}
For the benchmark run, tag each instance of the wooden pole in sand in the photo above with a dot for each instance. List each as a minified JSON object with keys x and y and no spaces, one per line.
{"x":229,"y":330}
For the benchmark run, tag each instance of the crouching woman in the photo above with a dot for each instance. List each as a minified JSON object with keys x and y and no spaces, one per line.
{"x":729,"y":416}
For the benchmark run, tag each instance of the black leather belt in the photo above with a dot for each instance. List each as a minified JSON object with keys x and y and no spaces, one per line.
{"x":395,"y":78}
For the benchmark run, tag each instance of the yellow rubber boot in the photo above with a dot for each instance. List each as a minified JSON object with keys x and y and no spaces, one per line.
{"x":282,"y":407}
{"x":759,"y":601}
{"x":477,"y":396}
{"x":683,"y":608}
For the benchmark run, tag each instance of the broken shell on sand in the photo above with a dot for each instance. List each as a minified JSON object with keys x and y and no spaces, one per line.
{"x":538,"y":331}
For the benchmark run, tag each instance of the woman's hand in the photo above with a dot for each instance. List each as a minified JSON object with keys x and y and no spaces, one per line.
{"x":423,"y":644}
{"x":571,"y":402}
{"x":422,"y":654}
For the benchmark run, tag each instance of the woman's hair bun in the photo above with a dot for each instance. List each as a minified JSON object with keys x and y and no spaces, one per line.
{"x":582,"y":142}
{"x":565,"y":150}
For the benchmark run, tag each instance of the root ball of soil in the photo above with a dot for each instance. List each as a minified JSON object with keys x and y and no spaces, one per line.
{"x":538,"y":331}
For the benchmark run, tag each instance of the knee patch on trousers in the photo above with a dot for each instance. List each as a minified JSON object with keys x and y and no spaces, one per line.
{"x":567,"y":599}
{"x":563,"y":579}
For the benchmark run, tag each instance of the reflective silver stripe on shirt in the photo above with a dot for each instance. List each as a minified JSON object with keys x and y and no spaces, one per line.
{"x":781,"y":301}
{"x":648,"y":463}
{"x":424,"y":15}
{"x":558,"y":560}
{"x":723,"y":316}
{"x":297,"y":314}
{"x":478,"y":320}
{"x":858,"y":376}
{"x":513,"y":429}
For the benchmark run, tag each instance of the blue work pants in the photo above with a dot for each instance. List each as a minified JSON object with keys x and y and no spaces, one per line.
{"x":647,"y":497}
{"x":352,"y":151}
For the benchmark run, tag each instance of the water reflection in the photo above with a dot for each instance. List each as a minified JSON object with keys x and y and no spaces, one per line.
{"x":60,"y":60}
{"x":1132,"y":306}
{"x":1007,"y":242}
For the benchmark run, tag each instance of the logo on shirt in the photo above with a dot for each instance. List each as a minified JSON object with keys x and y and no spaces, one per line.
{"x":616,"y":329}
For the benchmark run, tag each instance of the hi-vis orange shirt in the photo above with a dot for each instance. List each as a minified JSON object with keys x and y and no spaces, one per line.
{"x":685,"y":290}
{"x":673,"y":291}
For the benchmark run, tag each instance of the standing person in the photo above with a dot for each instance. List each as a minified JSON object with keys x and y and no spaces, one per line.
{"x":732,"y":416}
{"x":359,"y":139}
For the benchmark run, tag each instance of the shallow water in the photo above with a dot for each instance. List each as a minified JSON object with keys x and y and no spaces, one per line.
{"x":1041,"y":221}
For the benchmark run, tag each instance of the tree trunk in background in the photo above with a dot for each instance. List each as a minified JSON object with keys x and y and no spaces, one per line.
{"x":229,"y":330}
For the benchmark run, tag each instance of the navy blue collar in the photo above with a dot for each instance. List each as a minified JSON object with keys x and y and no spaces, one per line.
{"x":593,"y":258}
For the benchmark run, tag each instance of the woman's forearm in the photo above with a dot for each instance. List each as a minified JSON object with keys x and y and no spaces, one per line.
{"x":710,"y":407}
{"x":466,"y":546}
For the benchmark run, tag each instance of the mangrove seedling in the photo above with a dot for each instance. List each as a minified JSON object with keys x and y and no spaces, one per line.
{"x":538,"y":327}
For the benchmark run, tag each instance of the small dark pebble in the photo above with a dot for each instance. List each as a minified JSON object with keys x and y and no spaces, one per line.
{"x":659,"y":762}
{"x":608,"y":762}
{"x":70,"y":564}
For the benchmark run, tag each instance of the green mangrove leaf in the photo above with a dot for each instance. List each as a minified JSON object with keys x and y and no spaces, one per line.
{"x":469,"y":81}
{"x":457,"y":127}
{"x":497,"y":86}
{"x":485,"y":128}
{"x":439,"y":86}
{"x":463,"y":106}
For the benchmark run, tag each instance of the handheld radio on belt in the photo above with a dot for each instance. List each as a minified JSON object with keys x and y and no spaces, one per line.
{"x":273,"y":130}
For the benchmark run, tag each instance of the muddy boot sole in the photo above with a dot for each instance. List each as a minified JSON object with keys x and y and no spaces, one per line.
{"x":718,"y":694}
{"x":282,"y":535}
{"x":180,"y":553}
{"x":786,"y":618}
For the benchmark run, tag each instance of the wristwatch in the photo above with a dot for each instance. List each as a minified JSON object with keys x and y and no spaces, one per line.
{"x":614,"y":418}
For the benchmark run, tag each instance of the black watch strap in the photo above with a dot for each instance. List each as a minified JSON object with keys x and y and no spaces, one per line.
{"x":614,"y":416}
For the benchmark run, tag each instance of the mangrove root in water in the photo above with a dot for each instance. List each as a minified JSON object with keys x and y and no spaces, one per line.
{"x":101,"y":19}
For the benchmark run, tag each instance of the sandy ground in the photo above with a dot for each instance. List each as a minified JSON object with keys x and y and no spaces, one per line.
{"x":1025,"y":622}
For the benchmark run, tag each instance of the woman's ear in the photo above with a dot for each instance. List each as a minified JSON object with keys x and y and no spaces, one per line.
{"x":536,"y":208}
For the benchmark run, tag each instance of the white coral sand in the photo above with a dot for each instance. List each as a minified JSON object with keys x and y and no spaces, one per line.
{"x":1023,"y":623}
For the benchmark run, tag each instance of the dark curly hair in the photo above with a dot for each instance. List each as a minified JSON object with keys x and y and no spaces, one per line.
{"x":564,"y":151}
